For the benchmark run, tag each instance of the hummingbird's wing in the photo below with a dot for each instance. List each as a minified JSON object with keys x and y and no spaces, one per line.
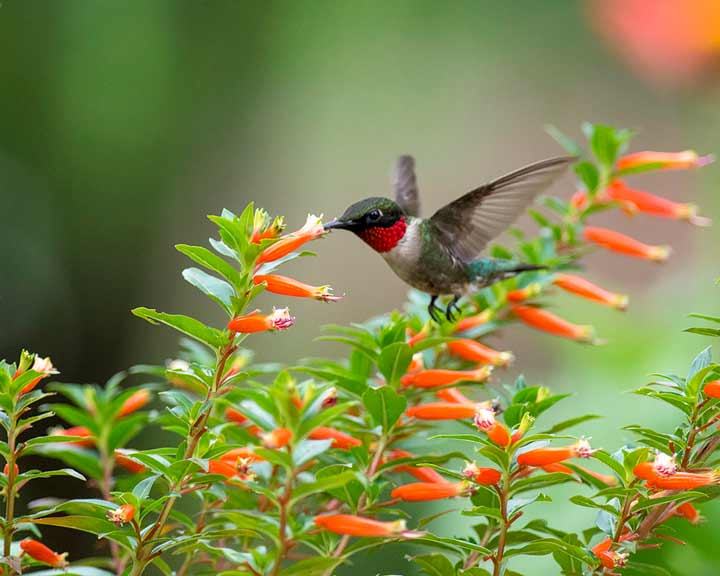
{"x":466,"y":225}
{"x":405,"y":185}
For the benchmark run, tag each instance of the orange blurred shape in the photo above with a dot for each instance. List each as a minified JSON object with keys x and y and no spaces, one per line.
{"x":665,"y":41}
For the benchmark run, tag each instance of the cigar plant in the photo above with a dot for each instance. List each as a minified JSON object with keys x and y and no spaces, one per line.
{"x":300,"y":467}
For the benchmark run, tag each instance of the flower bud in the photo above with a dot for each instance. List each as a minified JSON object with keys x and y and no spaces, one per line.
{"x":42,"y":553}
{"x":280,"y":319}
{"x":424,"y":491}
{"x":121,"y":514}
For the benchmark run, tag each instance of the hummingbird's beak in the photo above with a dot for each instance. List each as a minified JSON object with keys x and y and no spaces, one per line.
{"x":339,"y":225}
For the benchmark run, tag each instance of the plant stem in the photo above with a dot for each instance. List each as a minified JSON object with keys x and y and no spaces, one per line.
{"x":194,"y":435}
{"x":693,"y":433}
{"x":284,"y":501}
{"x":371,"y":471}
{"x":107,"y":465}
{"x":10,"y":490}
{"x":504,"y":524}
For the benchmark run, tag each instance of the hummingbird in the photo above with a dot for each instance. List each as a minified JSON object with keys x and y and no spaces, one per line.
{"x":440,"y":255}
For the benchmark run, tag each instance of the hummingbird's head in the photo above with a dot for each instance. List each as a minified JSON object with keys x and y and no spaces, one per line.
{"x":380,"y":222}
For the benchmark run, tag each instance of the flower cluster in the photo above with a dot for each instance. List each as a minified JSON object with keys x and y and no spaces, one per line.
{"x":276,"y":469}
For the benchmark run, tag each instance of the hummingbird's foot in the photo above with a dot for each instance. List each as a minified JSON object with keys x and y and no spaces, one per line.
{"x":449,"y":310}
{"x":434,"y":310}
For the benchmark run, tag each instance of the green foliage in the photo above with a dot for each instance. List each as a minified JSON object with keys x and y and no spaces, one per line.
{"x":272,"y":470}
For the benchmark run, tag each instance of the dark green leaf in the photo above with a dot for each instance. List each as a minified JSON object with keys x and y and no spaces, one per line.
{"x":189,"y":326}
{"x":384,"y":405}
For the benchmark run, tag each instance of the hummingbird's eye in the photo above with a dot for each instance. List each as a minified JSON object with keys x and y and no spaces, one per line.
{"x":374,"y":215}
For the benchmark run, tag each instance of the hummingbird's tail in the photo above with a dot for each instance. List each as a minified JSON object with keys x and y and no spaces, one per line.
{"x":486,"y":271}
{"x":526,"y":268}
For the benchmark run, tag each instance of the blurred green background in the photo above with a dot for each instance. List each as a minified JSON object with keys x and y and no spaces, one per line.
{"x":123,"y":123}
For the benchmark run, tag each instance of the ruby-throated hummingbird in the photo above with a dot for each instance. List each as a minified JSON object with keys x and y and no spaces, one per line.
{"x":441,"y":254}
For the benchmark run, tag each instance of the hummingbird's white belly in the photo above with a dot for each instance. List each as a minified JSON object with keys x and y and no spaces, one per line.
{"x":403,"y":258}
{"x":406,"y":260}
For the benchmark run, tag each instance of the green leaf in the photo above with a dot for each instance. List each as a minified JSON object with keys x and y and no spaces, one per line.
{"x":565,"y":424}
{"x":605,"y":142}
{"x":204,"y":257}
{"x":706,"y":317}
{"x":74,"y":571}
{"x":309,"y":449}
{"x":588,"y":174}
{"x":84,"y":460}
{"x":311,"y":567}
{"x":142,"y":489}
{"x":435,"y":565}
{"x":384,"y":405}
{"x":185,"y":324}
{"x":606,"y":522}
{"x":704,"y":331}
{"x":586,"y":502}
{"x":322,"y":485}
{"x":83,"y":523}
{"x":610,"y":462}
{"x":34,"y":474}
{"x":549,"y":546}
{"x":564,"y":140}
{"x":700,"y":362}
{"x":217,"y":289}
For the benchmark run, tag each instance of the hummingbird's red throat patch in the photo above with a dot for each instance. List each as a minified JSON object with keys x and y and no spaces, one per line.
{"x":384,"y":239}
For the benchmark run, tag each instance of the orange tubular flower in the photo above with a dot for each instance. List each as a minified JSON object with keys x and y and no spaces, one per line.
{"x":42,"y":553}
{"x":312,"y":229}
{"x":608,"y":558}
{"x":437,"y":377}
{"x":584,"y":288}
{"x":121,"y":514}
{"x":75,"y":431}
{"x":663,"y":465}
{"x":135,"y":402}
{"x":235,"y":416}
{"x":546,"y":456}
{"x":280,"y":319}
{"x":278,"y":438}
{"x":420,"y":336}
{"x":622,"y":244}
{"x":548,"y":322}
{"x":453,"y":395}
{"x":604,"y":478}
{"x":243,"y":454}
{"x":522,"y":294}
{"x":642,"y":201}
{"x":290,"y":287}
{"x":475,"y":352}
{"x":121,"y":459}
{"x":689,"y":512}
{"x":221,"y":467}
{"x":683,"y":481}
{"x":340,"y":439}
{"x":484,"y":476}
{"x":441,"y":411}
{"x":557,"y":467}
{"x":42,"y":365}
{"x":6,"y":469}
{"x":663,"y":160}
{"x":422,"y":473}
{"x":350,"y":525}
{"x":579,"y":200}
{"x":496,"y":431}
{"x":474,"y":321}
{"x":424,"y":491}
{"x":712,"y":389}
